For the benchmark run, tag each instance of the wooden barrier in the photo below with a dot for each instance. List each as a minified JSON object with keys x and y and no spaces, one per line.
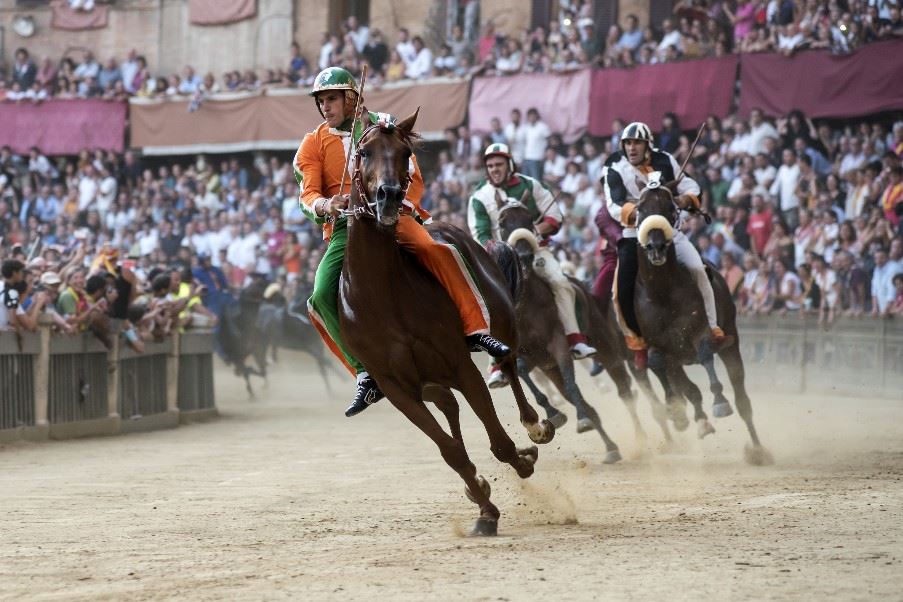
{"x":72,"y":386}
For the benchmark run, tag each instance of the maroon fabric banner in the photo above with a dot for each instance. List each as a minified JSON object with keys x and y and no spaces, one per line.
{"x":821,"y":84}
{"x":63,"y":127}
{"x":64,"y":17}
{"x":220,"y":12}
{"x":692,"y":90}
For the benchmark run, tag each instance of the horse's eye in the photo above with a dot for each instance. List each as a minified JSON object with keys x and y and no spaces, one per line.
{"x":365,"y":154}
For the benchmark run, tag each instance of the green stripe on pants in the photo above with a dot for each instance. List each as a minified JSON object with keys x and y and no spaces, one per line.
{"x":325,"y":298}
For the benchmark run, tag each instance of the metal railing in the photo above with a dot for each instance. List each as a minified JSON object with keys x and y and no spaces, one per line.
{"x":68,"y":386}
{"x":854,"y":357}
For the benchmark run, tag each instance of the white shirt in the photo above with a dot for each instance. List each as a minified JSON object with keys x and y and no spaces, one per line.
{"x":784,"y":186}
{"x":325,"y":58}
{"x":555,"y":168}
{"x":129,"y":70}
{"x":406,"y":51}
{"x":421,"y":65}
{"x":883,"y":291}
{"x":791,"y":288}
{"x":765,"y":175}
{"x":758,"y":135}
{"x":739,"y":145}
{"x":827,"y":282}
{"x":148,"y":242}
{"x":87,"y":191}
{"x":360,"y":37}
{"x":670,"y":39}
{"x":516,"y":135}
{"x":536,"y":139}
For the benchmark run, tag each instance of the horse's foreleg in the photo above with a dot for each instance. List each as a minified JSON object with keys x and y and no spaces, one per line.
{"x":659,"y":411}
{"x":539,"y":432}
{"x":557,"y":418}
{"x":679,"y":377}
{"x":246,"y":373}
{"x":473,"y":387}
{"x":446,"y":403}
{"x":621,"y":379}
{"x":452,"y":450}
{"x":658,"y":363}
{"x":757,"y":454}
{"x":721,"y":408}
{"x":564,"y":380}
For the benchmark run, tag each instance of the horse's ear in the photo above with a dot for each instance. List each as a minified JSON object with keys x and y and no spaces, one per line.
{"x":672,"y":186}
{"x":363,"y":118}
{"x":407,"y":125}
{"x":640,"y":184}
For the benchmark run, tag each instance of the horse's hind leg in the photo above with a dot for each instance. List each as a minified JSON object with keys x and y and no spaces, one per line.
{"x":564,"y":380}
{"x":689,"y":389}
{"x":453,"y":452}
{"x":539,"y":432}
{"x":473,"y":387}
{"x":658,"y":363}
{"x":621,"y":379}
{"x":757,"y":454}
{"x":721,"y":408}
{"x":557,"y":418}
{"x":659,"y":411}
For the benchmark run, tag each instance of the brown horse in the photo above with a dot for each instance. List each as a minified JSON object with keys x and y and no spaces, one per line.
{"x":402,"y":325}
{"x":544,"y":346}
{"x":669,"y":309}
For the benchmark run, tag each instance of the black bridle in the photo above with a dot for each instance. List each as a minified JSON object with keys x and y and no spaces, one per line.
{"x":370,"y":208}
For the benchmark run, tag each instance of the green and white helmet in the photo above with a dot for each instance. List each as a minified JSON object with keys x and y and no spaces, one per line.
{"x":333,"y":78}
{"x":498,"y":149}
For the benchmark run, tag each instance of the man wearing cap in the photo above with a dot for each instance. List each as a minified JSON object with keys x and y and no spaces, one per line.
{"x":321,"y":168}
{"x":624,"y":175}
{"x":504,"y":185}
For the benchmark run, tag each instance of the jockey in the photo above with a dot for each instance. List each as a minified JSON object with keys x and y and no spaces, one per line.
{"x":624,"y":175}
{"x":322,"y":158}
{"x":503,"y":185}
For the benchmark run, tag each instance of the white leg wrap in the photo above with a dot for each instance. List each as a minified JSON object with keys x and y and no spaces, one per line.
{"x":548,"y":268}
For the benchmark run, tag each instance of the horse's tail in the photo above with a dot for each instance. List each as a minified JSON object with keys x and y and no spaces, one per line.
{"x":508,"y":261}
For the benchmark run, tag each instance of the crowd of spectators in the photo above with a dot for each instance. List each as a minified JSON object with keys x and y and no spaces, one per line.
{"x":698,"y":28}
{"x":806,"y":217}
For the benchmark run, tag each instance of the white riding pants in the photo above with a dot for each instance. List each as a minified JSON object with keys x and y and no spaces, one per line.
{"x":689,"y":257}
{"x":547,"y":267}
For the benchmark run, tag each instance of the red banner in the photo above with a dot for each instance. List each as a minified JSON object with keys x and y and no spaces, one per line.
{"x":220,"y":12}
{"x":72,"y":19}
{"x":821,"y":84}
{"x":692,"y":90}
{"x":63,"y":127}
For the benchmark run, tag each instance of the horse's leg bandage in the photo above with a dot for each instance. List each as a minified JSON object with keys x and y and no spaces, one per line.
{"x":547,"y":267}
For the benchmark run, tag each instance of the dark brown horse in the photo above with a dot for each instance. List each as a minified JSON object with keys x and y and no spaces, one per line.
{"x":402,"y":325}
{"x":544,"y":346}
{"x":669,"y":309}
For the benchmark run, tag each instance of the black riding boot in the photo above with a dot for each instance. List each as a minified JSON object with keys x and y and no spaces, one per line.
{"x":367,"y":394}
{"x":489,"y":344}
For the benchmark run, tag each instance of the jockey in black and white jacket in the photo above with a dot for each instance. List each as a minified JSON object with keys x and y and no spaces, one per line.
{"x":624,"y":176}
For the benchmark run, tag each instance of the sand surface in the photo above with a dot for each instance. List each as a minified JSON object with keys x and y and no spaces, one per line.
{"x":286,"y":499}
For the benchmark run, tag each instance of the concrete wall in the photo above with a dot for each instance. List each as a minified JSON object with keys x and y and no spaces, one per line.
{"x":640,"y":8}
{"x":160,"y":30}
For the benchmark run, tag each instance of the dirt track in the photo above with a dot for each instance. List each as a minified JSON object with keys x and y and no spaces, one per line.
{"x":287,"y":499}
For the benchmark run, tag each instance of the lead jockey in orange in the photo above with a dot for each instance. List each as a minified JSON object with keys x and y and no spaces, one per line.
{"x":319,"y":164}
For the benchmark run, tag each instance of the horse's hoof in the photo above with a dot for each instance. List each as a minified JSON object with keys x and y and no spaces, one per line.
{"x":558,"y":419}
{"x":678,"y":415}
{"x":612,"y":457}
{"x":757,"y":455}
{"x":722,"y":409}
{"x":704,"y":428}
{"x":530,"y":454}
{"x":542,"y":432}
{"x":584,"y":425}
{"x":485,"y":527}
{"x":484,"y":485}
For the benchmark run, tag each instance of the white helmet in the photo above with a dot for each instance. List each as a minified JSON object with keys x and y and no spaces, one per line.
{"x":498,"y":149}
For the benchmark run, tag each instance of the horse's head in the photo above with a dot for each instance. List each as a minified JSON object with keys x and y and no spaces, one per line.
{"x":381,"y":168}
{"x":515,"y":217}
{"x":656,"y":213}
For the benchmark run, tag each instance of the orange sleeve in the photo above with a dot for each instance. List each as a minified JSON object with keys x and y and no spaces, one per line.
{"x":309,"y":163}
{"x":415,"y":190}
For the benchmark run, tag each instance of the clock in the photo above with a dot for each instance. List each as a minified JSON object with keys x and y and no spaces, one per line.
{"x":24,"y":25}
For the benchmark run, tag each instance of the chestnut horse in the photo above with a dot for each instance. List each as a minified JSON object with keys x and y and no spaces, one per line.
{"x":402,"y":325}
{"x":669,"y":309}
